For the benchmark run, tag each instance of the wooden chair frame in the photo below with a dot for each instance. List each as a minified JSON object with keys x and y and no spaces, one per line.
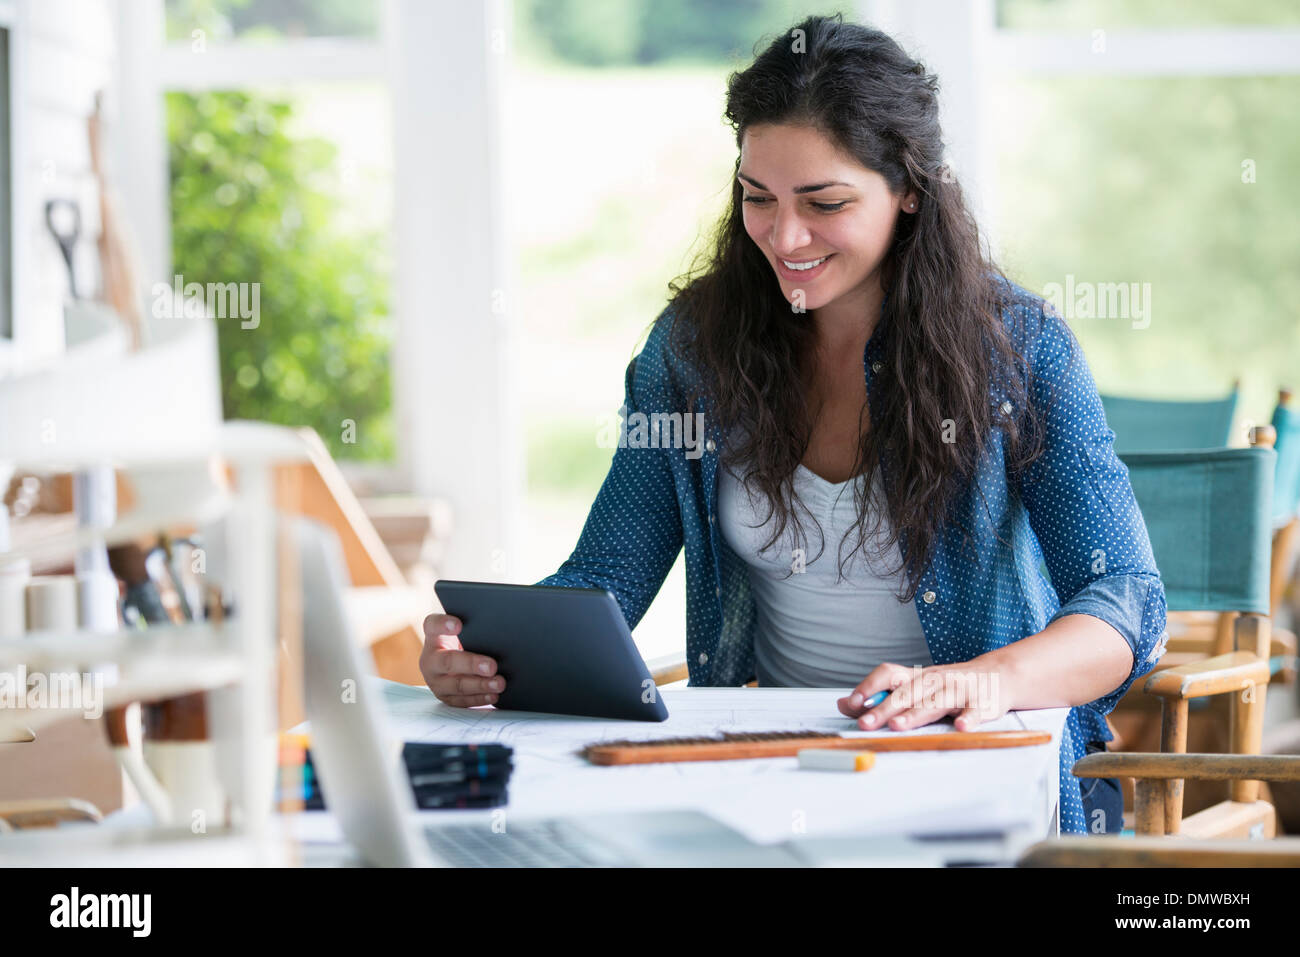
{"x":1154,"y":773}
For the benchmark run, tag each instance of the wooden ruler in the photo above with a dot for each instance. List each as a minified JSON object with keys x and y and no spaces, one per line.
{"x":787,"y":744}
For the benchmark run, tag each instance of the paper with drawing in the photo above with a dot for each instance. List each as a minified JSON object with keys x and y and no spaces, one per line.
{"x":769,"y":799}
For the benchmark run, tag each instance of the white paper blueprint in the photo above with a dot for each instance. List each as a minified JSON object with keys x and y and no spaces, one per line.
{"x":770,"y":799}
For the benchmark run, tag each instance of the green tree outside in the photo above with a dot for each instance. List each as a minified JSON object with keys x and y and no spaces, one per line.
{"x":252,"y":203}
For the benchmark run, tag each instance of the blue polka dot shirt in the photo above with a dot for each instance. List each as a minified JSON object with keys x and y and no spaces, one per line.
{"x":1073,"y":512}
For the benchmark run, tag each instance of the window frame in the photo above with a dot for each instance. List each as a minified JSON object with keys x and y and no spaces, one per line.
{"x":474,"y":457}
{"x":457,"y":424}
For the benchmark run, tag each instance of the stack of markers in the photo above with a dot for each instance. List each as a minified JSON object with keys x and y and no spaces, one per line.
{"x":458,"y":775}
{"x":441,"y":775}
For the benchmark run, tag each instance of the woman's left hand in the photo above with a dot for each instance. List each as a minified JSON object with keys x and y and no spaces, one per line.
{"x":974,"y":691}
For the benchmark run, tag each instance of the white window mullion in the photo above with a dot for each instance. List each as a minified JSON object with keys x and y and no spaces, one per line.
{"x":454,"y":389}
{"x":952,"y":38}
{"x":203,"y":66}
{"x":139,"y":137}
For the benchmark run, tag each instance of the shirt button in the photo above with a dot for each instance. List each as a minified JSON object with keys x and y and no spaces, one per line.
{"x":928,"y":598}
{"x":718,"y":591}
{"x":876,"y":366}
{"x":704,"y":659}
{"x":710,"y":445}
{"x":710,"y":519}
{"x":1006,"y":408}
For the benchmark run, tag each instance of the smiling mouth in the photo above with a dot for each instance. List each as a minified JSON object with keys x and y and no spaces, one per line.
{"x":805,"y":265}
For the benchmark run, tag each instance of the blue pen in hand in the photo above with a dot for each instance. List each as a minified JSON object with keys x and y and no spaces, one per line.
{"x":867,"y":705}
{"x":870,"y":703}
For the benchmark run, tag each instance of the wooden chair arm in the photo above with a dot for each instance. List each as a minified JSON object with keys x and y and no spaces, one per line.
{"x":47,"y":812}
{"x":1201,"y":767}
{"x":668,"y":669}
{"x":1161,"y":851}
{"x":1184,"y":644}
{"x":1281,"y":642}
{"x":1178,"y":621}
{"x":1219,"y":675}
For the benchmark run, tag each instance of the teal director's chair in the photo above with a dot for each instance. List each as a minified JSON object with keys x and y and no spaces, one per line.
{"x":1162,"y":425}
{"x":1208,"y":513}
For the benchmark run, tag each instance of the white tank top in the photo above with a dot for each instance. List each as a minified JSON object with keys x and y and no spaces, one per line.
{"x":812,"y":630}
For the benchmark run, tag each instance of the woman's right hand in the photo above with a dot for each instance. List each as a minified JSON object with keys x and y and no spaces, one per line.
{"x":456,"y":677}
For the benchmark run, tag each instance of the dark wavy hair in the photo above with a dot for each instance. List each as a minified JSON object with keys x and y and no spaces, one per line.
{"x":942,"y":331}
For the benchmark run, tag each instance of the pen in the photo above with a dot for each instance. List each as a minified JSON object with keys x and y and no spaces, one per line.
{"x":875,"y":699}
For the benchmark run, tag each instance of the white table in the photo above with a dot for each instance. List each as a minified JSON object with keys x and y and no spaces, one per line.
{"x":836,"y":818}
{"x":771,"y":799}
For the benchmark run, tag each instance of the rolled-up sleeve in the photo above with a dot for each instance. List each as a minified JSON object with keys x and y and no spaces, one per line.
{"x":1082,"y":508}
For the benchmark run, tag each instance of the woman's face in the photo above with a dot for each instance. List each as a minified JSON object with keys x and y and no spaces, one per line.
{"x":806,"y":202}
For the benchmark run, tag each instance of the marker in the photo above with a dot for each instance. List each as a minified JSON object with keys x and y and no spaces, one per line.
{"x":823,"y":759}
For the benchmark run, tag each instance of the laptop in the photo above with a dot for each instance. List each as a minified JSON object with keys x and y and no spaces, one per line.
{"x":362,"y":773}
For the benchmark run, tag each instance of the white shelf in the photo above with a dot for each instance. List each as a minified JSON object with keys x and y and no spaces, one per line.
{"x":101,"y":845}
{"x":136,"y":665}
{"x":52,"y":649}
{"x":100,"y":403}
{"x":156,"y":413}
{"x":131,"y":527}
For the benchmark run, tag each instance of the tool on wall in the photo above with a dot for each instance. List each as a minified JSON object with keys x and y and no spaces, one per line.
{"x":63,"y":219}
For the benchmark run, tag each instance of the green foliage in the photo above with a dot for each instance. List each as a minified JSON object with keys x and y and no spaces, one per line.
{"x":270,"y":20}
{"x":1142,"y":180}
{"x":251,"y":203}
{"x":1168,"y":14}
{"x":593,"y":35}
{"x":626,"y":32}
{"x":686,"y":29}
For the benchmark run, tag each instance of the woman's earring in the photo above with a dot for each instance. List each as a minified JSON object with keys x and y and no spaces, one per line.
{"x":911,"y":207}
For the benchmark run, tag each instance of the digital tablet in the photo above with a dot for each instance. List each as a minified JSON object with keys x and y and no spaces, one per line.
{"x":560,"y":650}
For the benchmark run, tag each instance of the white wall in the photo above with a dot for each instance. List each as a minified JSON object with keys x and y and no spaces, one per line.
{"x":62,"y":53}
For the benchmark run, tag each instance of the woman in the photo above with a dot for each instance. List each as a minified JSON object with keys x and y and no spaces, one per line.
{"x":897,"y":440}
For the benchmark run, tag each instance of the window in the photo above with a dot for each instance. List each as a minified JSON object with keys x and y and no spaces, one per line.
{"x":1142,"y":144}
{"x":1058,"y":15}
{"x":289,"y":189}
{"x":280,"y":159}
{"x":271,"y":20}
{"x":598,"y":241}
